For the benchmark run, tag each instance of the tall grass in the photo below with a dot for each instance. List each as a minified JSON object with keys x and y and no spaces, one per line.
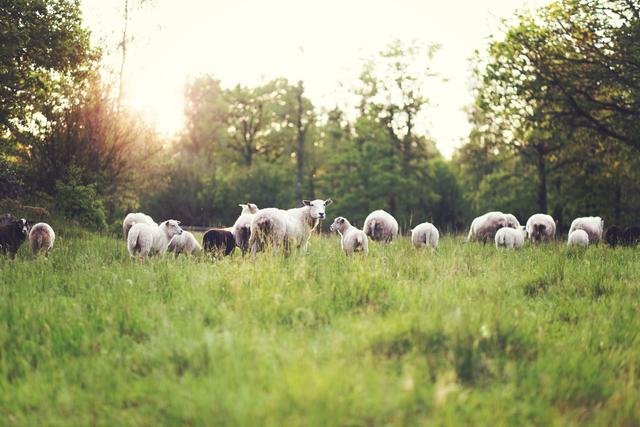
{"x":465,"y":335}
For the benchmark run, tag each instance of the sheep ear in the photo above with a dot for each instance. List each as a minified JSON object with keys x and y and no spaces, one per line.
{"x":242,"y":205}
{"x":328,"y":202}
{"x":179,"y":222}
{"x":306,"y":202}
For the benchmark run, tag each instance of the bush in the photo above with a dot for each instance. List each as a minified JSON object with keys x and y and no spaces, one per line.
{"x":80,"y":202}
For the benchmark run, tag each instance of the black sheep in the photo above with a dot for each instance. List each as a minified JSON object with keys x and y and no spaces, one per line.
{"x":12,"y":235}
{"x":631,"y":235}
{"x":217,"y":240}
{"x":613,"y":236}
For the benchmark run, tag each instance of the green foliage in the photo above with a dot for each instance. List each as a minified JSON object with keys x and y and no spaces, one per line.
{"x":466,"y":335}
{"x":80,"y":202}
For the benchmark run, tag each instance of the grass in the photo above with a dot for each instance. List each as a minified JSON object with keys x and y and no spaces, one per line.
{"x":466,"y":335}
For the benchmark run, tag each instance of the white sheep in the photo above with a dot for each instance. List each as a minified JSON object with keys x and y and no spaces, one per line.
{"x":145,"y":238}
{"x":381,"y":226}
{"x":485,"y":226}
{"x":135,"y":218}
{"x":242,"y":227}
{"x":593,"y":225}
{"x":541,"y":227}
{"x":511,"y":238}
{"x":184,"y":243}
{"x":353,"y":239}
{"x":578,"y":238}
{"x":512,"y":221}
{"x":425,"y":235}
{"x":41,"y":238}
{"x":286,"y":227}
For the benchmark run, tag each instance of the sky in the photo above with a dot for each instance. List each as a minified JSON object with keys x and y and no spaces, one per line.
{"x":324,"y":43}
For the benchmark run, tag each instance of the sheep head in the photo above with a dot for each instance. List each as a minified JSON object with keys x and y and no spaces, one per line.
{"x":317,"y":207}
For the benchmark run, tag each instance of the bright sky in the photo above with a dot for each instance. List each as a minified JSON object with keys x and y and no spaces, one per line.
{"x":321,"y":42}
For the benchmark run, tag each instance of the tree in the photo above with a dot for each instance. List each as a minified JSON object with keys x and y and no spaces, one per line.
{"x":43,"y":44}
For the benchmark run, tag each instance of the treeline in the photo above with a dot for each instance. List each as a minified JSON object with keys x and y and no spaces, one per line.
{"x":555,"y":129}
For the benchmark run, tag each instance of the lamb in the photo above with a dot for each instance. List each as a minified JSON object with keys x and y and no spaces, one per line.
{"x":425,"y":235}
{"x":631,"y":235}
{"x":286,"y":227}
{"x":381,"y":226}
{"x":41,"y":237}
{"x":512,"y":221}
{"x":146,"y":238}
{"x":484,"y":227}
{"x":135,"y":218}
{"x":613,"y":236}
{"x":12,"y":235}
{"x":242,"y":228}
{"x":219,"y":241}
{"x":578,"y":237}
{"x":541,"y":227}
{"x":593,"y":225}
{"x":511,"y":238}
{"x":353,"y":239}
{"x":184,"y":243}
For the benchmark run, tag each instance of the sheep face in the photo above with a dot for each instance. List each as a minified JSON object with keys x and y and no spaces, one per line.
{"x":23,"y":225}
{"x":317,"y":207}
{"x":339,"y":224}
{"x":172,"y":227}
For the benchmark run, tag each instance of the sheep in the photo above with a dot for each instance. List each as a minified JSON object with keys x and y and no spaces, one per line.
{"x":353,"y":239}
{"x":512,"y":221}
{"x":7,"y":218}
{"x":593,"y":225}
{"x":578,"y":237}
{"x":242,"y":227}
{"x":511,"y":238}
{"x":12,"y":235}
{"x":613,"y":236}
{"x":146,"y":238}
{"x":286,"y":227}
{"x":631,"y":235}
{"x":135,"y":218}
{"x":41,"y":237}
{"x":184,"y":243}
{"x":484,"y":227}
{"x":219,"y":241}
{"x":425,"y":235}
{"x":541,"y":227}
{"x":381,"y":226}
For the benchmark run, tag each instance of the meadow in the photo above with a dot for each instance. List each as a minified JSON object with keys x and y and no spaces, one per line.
{"x":465,"y":335}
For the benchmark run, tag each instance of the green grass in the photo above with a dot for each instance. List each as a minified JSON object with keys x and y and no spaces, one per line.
{"x":466,"y":335}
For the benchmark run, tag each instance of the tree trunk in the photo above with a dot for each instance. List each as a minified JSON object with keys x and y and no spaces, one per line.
{"x":123,"y":44}
{"x":542,"y":181}
{"x":300,"y":145}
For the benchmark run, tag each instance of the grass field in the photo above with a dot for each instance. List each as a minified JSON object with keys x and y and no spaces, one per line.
{"x":466,"y":335}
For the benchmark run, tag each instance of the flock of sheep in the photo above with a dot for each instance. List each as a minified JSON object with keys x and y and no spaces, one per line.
{"x":255,"y":229}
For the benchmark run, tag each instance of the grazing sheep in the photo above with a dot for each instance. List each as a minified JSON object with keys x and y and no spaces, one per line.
{"x":184,"y":243}
{"x":353,"y":239}
{"x":593,"y":225}
{"x":512,"y":221}
{"x":12,"y":235}
{"x":631,"y":235}
{"x":578,"y":237}
{"x":613,"y":236}
{"x":381,"y":226}
{"x":484,"y":227}
{"x":242,"y":227}
{"x":541,"y":227}
{"x":135,"y":218}
{"x":219,"y":241}
{"x":425,"y":235}
{"x":41,"y":237}
{"x":286,"y":227}
{"x":511,"y":238}
{"x":146,"y":238}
